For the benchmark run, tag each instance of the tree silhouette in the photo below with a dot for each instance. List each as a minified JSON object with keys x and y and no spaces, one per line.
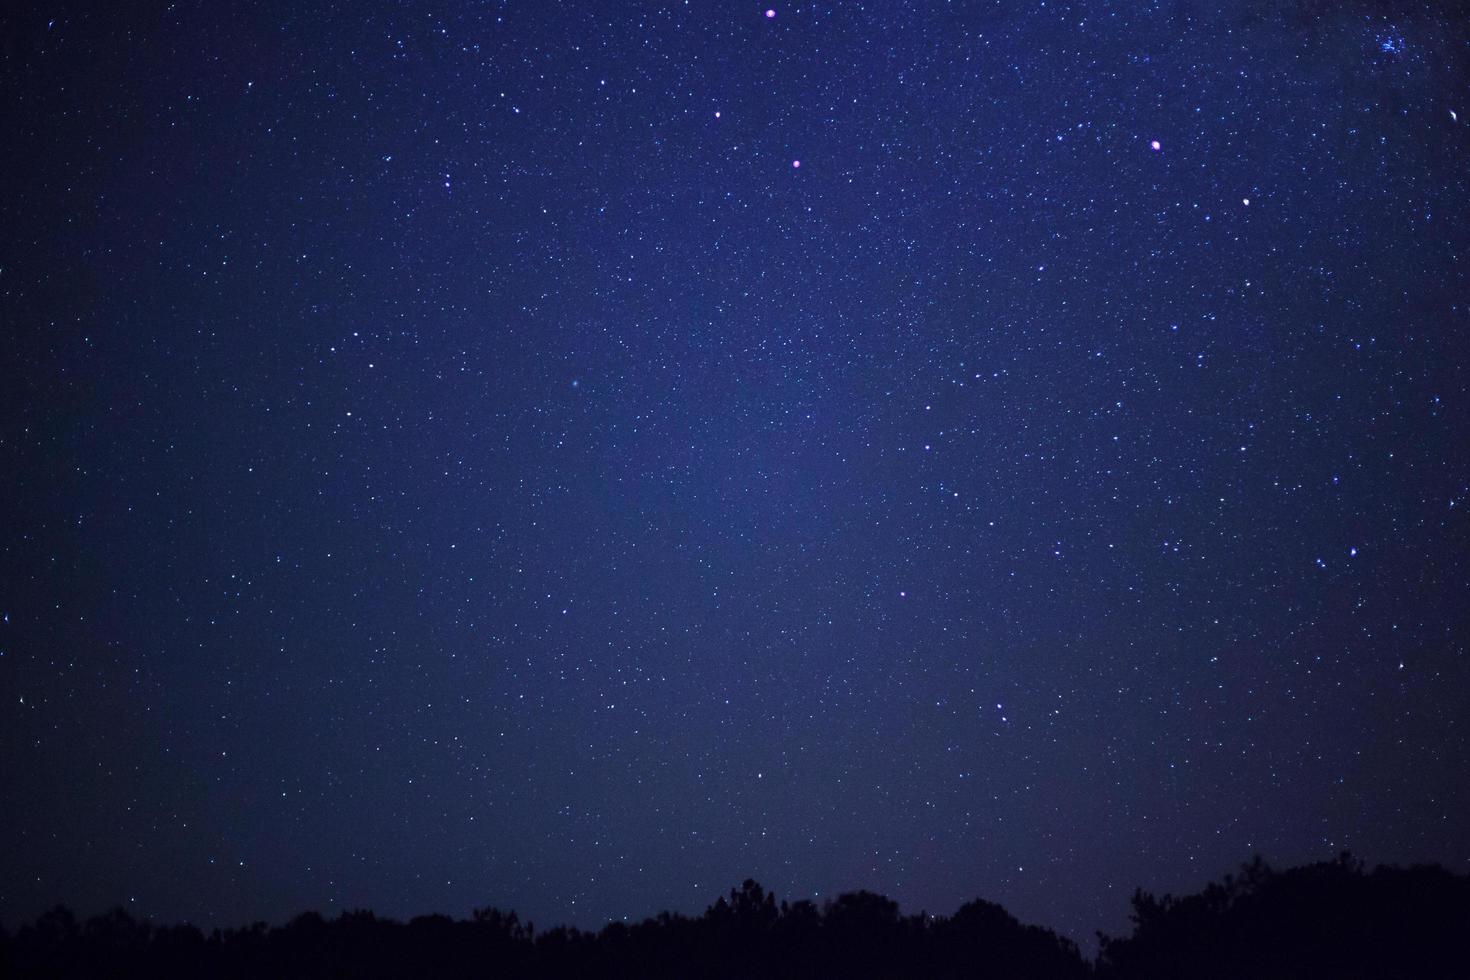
{"x":1324,"y":920}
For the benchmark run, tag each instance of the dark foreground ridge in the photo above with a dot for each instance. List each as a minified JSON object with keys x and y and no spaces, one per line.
{"x":1323,"y":920}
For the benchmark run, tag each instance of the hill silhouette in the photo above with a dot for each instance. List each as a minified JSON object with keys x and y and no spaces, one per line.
{"x":1332,"y":919}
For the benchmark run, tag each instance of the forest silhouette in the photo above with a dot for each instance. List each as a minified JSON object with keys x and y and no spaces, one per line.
{"x":1333,"y":919}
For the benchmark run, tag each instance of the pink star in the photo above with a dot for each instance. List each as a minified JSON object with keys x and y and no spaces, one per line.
{"x":770,"y":14}
{"x":1155,"y":146}
{"x":796,"y":164}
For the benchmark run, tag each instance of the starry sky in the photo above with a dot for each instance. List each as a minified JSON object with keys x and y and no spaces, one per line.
{"x":576,"y":456}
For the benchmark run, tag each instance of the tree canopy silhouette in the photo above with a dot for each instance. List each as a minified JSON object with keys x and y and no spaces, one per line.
{"x":1323,"y":920}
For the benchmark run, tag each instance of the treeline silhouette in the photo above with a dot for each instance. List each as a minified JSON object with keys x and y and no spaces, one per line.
{"x":1323,"y":920}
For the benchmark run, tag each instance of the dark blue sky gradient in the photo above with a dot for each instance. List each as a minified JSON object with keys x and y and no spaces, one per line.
{"x":452,"y":456}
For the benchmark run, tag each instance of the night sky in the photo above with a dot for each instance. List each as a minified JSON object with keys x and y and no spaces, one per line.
{"x":576,"y":456}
